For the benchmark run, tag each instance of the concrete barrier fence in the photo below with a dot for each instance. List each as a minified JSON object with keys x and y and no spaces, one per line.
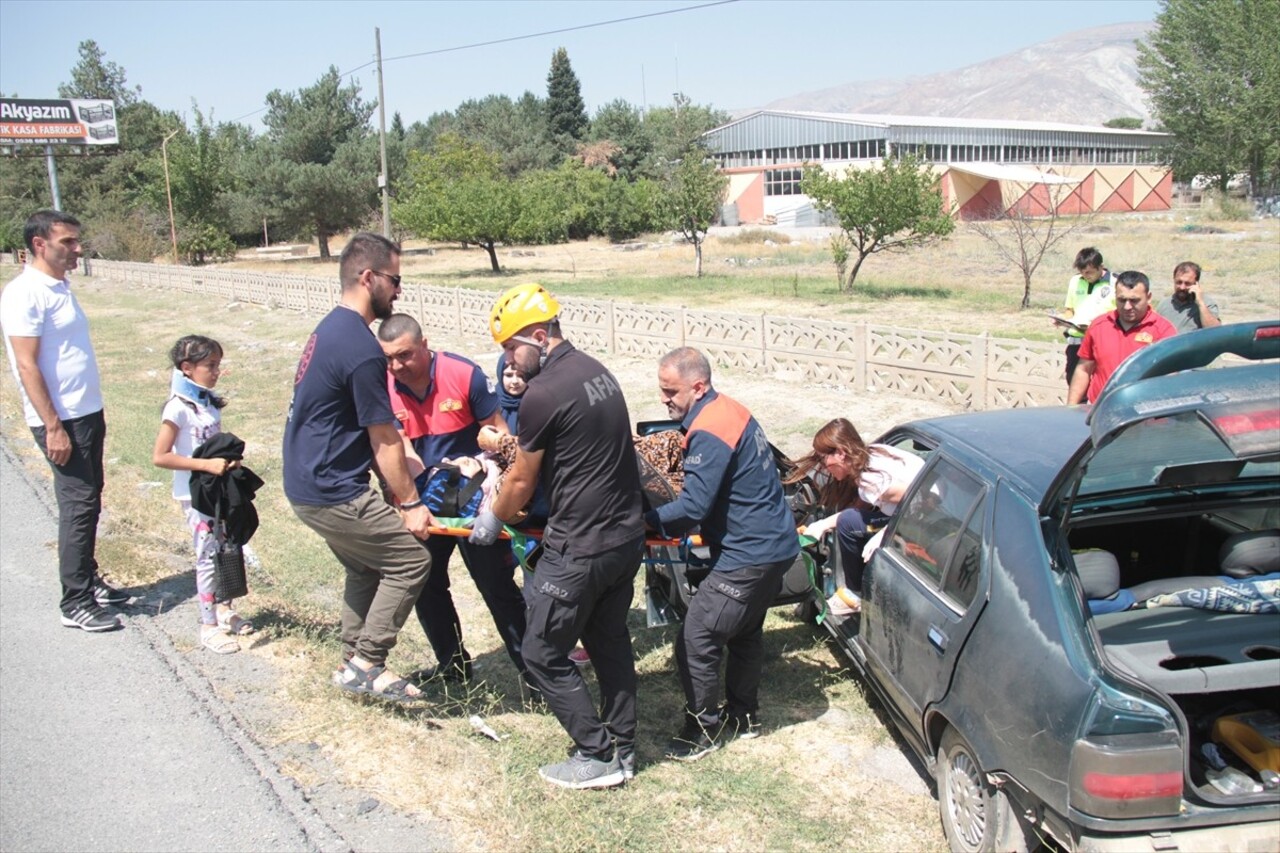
{"x":973,"y":371}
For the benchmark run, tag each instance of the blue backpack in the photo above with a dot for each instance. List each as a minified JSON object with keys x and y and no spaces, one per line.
{"x":450,"y":494}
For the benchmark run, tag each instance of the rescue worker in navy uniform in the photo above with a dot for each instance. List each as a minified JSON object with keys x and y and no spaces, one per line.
{"x":733,"y":490}
{"x":575,"y":431}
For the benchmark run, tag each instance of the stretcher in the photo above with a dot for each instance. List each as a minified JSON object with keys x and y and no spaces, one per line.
{"x":507,"y":533}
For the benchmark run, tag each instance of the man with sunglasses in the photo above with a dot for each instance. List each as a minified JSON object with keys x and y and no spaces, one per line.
{"x":340,"y":424}
{"x":1116,"y":335}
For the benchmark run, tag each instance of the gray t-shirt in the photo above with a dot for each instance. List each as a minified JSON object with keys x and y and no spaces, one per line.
{"x":1185,"y":316}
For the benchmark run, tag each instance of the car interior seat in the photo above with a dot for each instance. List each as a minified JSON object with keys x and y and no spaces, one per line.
{"x":1246,"y":555}
{"x":1100,"y":577}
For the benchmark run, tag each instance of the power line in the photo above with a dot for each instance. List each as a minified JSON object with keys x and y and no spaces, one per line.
{"x":552,"y":32}
{"x":517,"y":38}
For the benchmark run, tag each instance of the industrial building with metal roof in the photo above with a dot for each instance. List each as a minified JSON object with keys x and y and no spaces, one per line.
{"x":986,"y":167}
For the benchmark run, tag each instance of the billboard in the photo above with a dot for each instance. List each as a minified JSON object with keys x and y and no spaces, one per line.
{"x":58,"y":122}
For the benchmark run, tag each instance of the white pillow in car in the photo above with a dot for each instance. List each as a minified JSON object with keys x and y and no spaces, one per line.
{"x":1256,"y":552}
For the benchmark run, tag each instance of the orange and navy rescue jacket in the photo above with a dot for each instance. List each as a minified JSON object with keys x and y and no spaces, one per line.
{"x":731,"y":488}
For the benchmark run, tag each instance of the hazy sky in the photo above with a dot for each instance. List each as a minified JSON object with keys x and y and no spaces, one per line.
{"x":228,"y":55}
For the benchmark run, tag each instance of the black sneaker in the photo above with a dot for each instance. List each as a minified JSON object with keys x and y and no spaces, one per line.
{"x":91,"y":618}
{"x":107,"y":596}
{"x":582,"y":771}
{"x":744,"y":726}
{"x":693,"y":742}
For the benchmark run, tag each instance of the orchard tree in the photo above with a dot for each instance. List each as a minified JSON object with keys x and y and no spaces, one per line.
{"x":695,"y":189}
{"x":1212,"y":71}
{"x":566,"y":113}
{"x":631,"y":209}
{"x":458,"y":193}
{"x":1024,"y":234}
{"x":893,"y":207}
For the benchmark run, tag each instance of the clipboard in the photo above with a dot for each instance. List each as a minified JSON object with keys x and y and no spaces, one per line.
{"x":1065,"y":323}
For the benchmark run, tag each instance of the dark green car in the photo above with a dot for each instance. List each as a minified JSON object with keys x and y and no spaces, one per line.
{"x":1072,"y":617}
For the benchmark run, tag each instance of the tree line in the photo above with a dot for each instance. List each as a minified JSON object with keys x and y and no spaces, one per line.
{"x":493,"y":171}
{"x":538,"y":169}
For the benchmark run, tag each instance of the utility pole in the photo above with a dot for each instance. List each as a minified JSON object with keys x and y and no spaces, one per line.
{"x":53,"y":176}
{"x":173,"y":231}
{"x":382,"y":139}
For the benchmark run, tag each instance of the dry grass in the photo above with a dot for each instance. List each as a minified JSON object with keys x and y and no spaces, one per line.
{"x":957,"y":285}
{"x":813,"y":782}
{"x":754,"y":795}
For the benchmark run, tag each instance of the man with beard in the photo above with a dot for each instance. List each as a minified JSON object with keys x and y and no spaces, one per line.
{"x":575,"y":431}
{"x":1189,"y":308}
{"x":340,"y":424}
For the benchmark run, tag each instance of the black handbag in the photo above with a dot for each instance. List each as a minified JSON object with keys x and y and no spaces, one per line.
{"x":229,"y":580}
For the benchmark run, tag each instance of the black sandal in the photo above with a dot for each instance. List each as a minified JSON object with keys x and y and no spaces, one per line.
{"x":353,"y":679}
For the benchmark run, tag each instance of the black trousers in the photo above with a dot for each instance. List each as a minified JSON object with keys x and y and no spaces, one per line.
{"x":77,"y":485}
{"x":1073,"y":358}
{"x":493,"y":568}
{"x":586,"y":598}
{"x":727,"y":611}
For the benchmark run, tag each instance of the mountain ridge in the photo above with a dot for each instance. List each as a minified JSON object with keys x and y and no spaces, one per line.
{"x":1032,"y":83}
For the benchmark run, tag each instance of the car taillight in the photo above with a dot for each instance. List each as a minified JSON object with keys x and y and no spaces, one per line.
{"x":1266,"y":332}
{"x":1127,"y":776}
{"x":1133,"y":786}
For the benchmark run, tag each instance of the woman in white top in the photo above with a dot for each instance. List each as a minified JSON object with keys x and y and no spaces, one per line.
{"x":865,"y":483}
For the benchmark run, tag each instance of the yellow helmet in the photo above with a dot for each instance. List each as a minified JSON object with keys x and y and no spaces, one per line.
{"x":521,"y":306}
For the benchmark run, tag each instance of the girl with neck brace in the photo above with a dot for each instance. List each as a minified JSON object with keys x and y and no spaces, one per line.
{"x":191,"y":416}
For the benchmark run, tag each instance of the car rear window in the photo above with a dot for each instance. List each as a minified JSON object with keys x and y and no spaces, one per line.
{"x":1187,"y":449}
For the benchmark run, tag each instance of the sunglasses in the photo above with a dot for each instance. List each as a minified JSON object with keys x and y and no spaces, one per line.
{"x":394,"y":279}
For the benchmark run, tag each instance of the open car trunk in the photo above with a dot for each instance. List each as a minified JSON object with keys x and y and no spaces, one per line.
{"x":1172,"y":515}
{"x":1162,"y":627}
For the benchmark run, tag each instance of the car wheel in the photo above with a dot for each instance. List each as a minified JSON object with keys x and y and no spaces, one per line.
{"x":976,"y":816}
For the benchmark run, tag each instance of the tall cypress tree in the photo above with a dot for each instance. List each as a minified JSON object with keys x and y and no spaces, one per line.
{"x":566,"y":113}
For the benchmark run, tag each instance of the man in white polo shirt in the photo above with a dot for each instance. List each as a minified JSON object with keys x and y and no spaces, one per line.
{"x":47,"y":336}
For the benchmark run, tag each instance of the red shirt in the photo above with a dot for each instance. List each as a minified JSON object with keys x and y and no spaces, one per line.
{"x":1107,"y":344}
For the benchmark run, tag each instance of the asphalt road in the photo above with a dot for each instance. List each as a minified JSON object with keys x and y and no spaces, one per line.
{"x":111,"y":741}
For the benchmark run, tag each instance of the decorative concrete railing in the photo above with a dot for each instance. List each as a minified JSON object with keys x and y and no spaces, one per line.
{"x":973,"y":371}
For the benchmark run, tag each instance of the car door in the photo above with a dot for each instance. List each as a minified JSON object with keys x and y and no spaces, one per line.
{"x":921,"y":591}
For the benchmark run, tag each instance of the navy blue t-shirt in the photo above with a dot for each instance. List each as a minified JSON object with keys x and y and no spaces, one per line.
{"x":339,"y":391}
